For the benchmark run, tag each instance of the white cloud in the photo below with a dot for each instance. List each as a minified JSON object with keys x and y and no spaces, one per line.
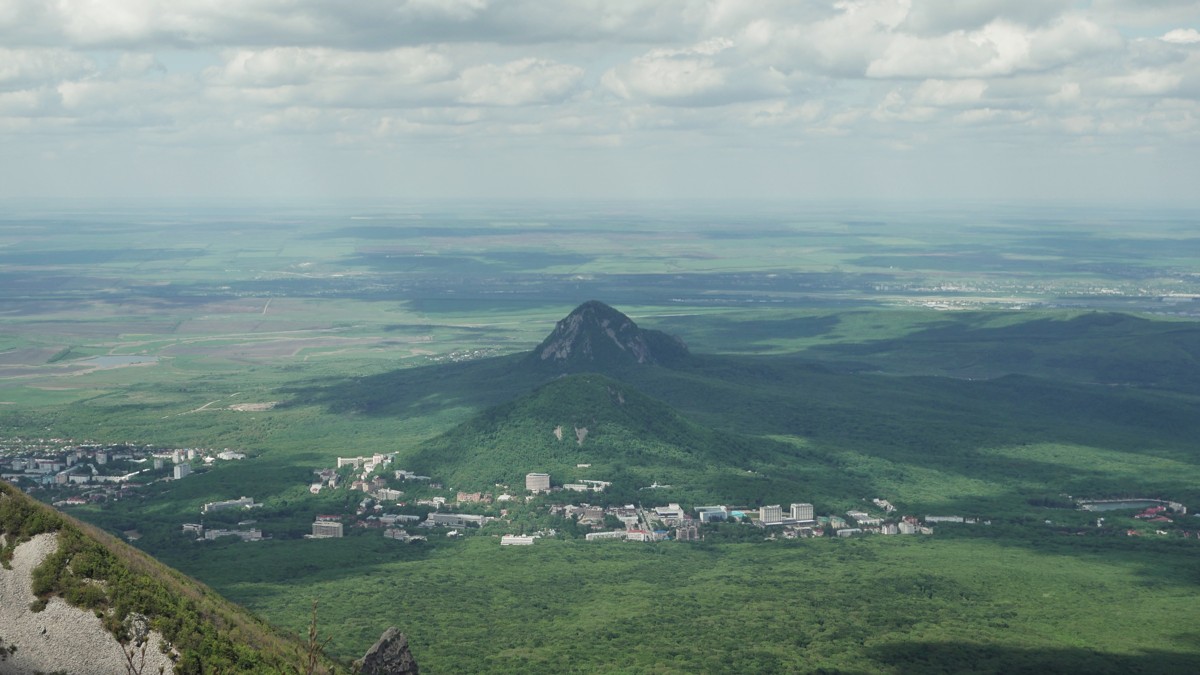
{"x":280,"y":66}
{"x":998,"y":48}
{"x":524,"y":82}
{"x":752,"y":76}
{"x":711,"y":72}
{"x":935,"y":17}
{"x":950,"y":93}
{"x":25,"y":67}
{"x":1182,"y":36}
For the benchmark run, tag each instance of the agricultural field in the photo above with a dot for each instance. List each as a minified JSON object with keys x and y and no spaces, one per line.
{"x":988,"y":362}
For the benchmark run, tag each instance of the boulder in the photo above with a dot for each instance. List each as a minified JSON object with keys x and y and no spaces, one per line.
{"x":389,"y":656}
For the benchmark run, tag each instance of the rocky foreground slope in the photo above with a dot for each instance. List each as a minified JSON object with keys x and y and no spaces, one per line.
{"x":61,"y":637}
{"x":72,"y":598}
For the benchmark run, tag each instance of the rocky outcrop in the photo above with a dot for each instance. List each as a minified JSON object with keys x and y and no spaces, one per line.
{"x":595,"y":337}
{"x":389,"y":656}
{"x":61,"y":637}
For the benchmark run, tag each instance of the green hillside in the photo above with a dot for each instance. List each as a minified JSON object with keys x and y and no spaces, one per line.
{"x":586,"y":419}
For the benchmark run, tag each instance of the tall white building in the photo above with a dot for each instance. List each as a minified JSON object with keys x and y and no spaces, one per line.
{"x":802,"y":512}
{"x":537,"y":482}
{"x":326,"y":529}
{"x":771,"y":515}
{"x":182,"y":470}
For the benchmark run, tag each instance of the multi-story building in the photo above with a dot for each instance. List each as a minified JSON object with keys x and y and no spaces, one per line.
{"x":182,"y":470}
{"x":326,"y":529}
{"x":455,"y":520}
{"x":537,"y":482}
{"x":771,"y":515}
{"x":712,"y":514}
{"x":802,"y":512}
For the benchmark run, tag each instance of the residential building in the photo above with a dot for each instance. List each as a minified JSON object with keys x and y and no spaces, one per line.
{"x":182,"y":470}
{"x":672,"y":511}
{"x":712,"y":514}
{"x":455,"y":520}
{"x":771,"y":515}
{"x":401,"y":535}
{"x":802,"y":512}
{"x":516,"y":540}
{"x":863,"y":518}
{"x":326,"y":529}
{"x":537,"y":482}
{"x":244,"y":535}
{"x":613,"y":534}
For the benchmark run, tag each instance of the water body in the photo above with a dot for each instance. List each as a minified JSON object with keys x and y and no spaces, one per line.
{"x":117,"y":360}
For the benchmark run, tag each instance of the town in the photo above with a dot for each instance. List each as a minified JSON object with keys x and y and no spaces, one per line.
{"x":90,"y":473}
{"x":409,"y":507}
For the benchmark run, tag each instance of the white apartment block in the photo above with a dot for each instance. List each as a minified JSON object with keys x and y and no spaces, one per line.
{"x":802,"y":512}
{"x":326,"y":529}
{"x":771,"y":515}
{"x":537,"y":482}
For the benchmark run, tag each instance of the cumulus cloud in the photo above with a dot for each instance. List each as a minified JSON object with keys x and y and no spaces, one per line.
{"x":520,"y":82}
{"x":936,"y":17}
{"x":280,"y":66}
{"x":1182,"y":36}
{"x":706,"y":73}
{"x":597,"y":73}
{"x":20,"y":68}
{"x":998,"y":48}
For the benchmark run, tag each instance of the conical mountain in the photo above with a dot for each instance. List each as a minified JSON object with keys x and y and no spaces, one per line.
{"x":581,"y":419}
{"x":596,"y":337}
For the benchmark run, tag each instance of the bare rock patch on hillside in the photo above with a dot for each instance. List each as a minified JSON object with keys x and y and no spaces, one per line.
{"x":60,"y":637}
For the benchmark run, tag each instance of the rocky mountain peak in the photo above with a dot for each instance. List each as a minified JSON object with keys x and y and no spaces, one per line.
{"x":594,"y":336}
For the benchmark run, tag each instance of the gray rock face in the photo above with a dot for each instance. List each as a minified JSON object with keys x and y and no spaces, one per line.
{"x":389,"y":656}
{"x":595,"y":336}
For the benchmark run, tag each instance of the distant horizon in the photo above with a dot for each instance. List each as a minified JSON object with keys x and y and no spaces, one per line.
{"x":1188,"y":203}
{"x":1059,"y":100}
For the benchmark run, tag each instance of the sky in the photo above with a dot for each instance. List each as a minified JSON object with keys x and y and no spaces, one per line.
{"x":1058,"y":100}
